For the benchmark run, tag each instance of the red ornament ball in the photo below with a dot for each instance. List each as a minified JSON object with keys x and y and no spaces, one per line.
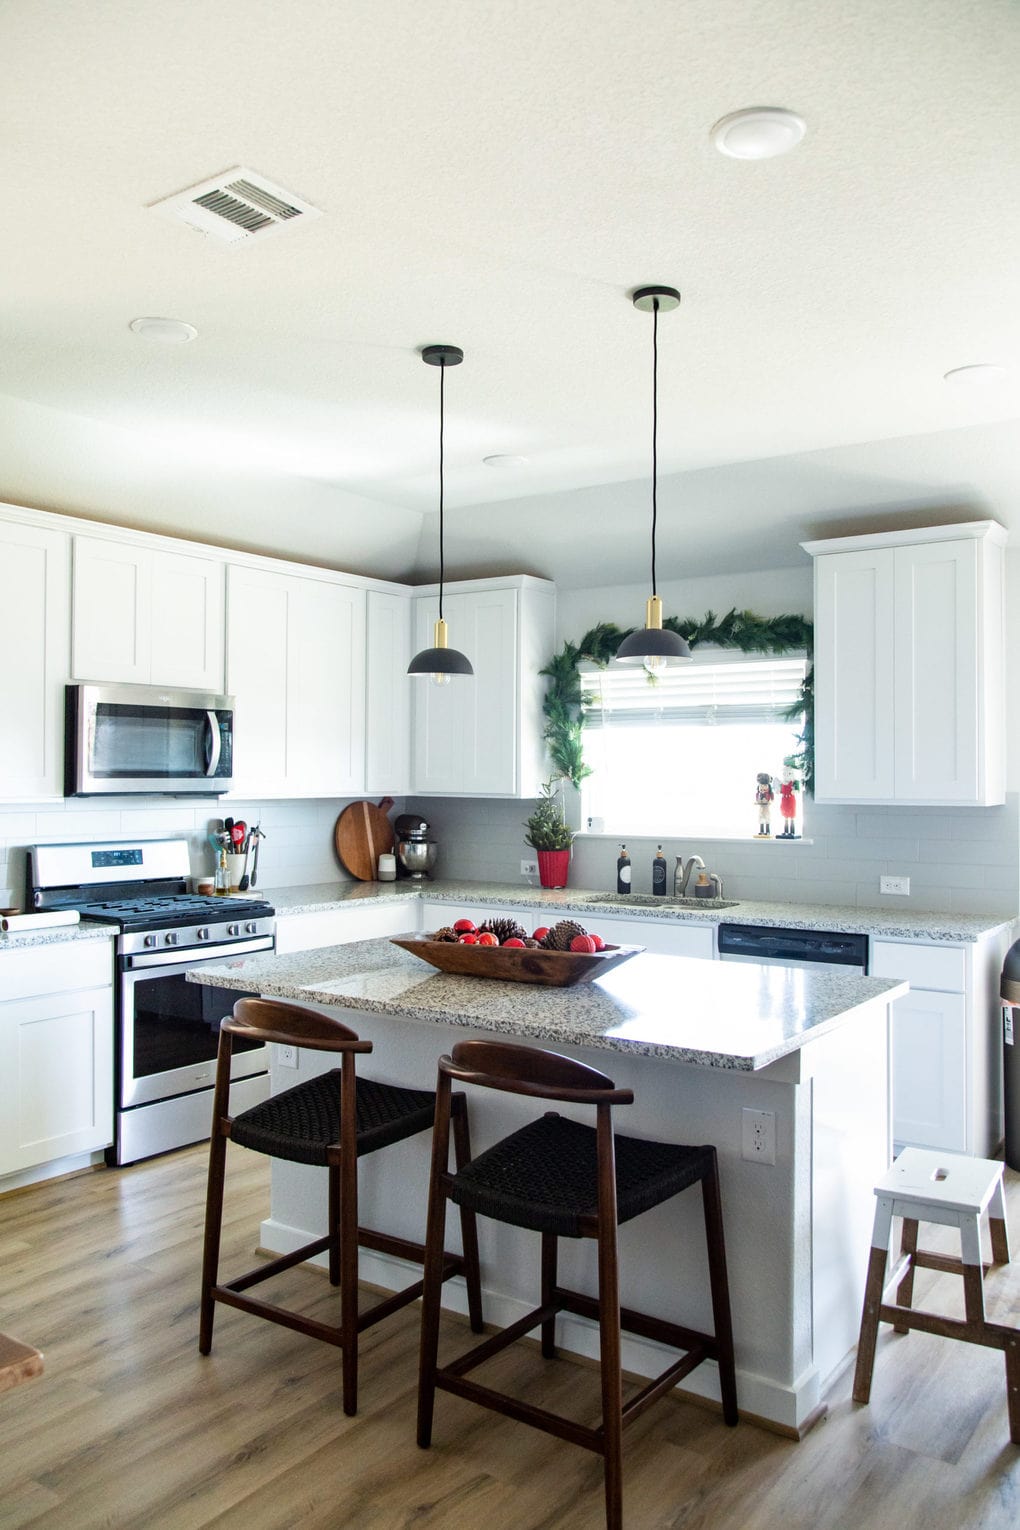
{"x":513,"y":941}
{"x":540,"y":933}
{"x":469,"y":939}
{"x":487,"y":938}
{"x":584,"y":945}
{"x":464,"y":926}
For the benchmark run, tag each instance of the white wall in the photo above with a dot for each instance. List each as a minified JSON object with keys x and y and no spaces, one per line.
{"x":778,"y":592}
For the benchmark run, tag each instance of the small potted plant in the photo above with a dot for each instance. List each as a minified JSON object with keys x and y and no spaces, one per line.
{"x":549,"y":834}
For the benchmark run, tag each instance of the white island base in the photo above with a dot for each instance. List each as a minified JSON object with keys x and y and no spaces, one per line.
{"x":797,"y":1231}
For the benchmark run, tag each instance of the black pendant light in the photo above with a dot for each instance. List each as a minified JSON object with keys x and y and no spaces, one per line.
{"x":653,"y":645}
{"x":441,"y":661}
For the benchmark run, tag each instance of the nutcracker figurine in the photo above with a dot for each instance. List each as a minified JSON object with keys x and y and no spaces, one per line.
{"x":763,"y":796}
{"x":788,"y":808}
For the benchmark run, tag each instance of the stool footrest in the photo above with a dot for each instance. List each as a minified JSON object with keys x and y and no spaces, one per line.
{"x":990,"y":1335}
{"x":948,"y":1264}
{"x":645,"y":1327}
{"x":524,"y":1413}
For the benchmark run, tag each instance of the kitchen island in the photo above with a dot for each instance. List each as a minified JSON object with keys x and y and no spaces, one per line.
{"x":700,"y":1043}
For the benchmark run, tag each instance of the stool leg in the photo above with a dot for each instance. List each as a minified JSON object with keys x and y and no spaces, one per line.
{"x":468,"y":1222}
{"x":432,"y":1283}
{"x":973,"y":1270}
{"x":348,"y":1215}
{"x":905,"y":1289}
{"x":550,"y":1244}
{"x":997,"y":1226}
{"x":213,"y":1224}
{"x":873,"y":1288}
{"x":612,"y":1379}
{"x":333,"y":1224}
{"x":1013,"y":1387}
{"x":720,"y":1291}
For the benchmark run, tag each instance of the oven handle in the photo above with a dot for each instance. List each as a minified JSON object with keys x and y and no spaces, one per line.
{"x":141,"y":960}
{"x":215,"y":743}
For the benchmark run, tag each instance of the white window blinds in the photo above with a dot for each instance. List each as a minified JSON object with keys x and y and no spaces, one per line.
{"x":716,"y":690}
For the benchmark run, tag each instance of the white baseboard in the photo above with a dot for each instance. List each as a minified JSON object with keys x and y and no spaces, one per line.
{"x":790,"y":1407}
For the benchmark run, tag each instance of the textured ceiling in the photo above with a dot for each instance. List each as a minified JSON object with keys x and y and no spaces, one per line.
{"x":500,"y":178}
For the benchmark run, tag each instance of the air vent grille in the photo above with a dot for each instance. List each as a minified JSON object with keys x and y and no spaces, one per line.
{"x":237,"y":206}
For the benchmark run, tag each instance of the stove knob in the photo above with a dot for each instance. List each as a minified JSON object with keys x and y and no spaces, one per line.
{"x":170,"y":938}
{"x":150,"y":940}
{"x":203,"y":933}
{"x":233,"y":929}
{"x":251,"y":928}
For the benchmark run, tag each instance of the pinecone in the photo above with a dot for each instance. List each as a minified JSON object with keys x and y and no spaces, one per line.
{"x":504,"y":929}
{"x":560,"y":936}
{"x":533,"y":945}
{"x":446,"y":933}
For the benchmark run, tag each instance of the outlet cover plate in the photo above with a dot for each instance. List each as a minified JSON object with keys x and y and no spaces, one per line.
{"x":900,"y":886}
{"x":758,"y":1135}
{"x":529,"y":868}
{"x":286,"y":1057}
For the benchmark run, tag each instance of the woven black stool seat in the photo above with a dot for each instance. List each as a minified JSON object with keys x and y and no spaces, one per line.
{"x":302,"y":1123}
{"x":545,"y":1176}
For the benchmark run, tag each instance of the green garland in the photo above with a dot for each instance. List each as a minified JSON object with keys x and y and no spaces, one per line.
{"x":564,"y":712}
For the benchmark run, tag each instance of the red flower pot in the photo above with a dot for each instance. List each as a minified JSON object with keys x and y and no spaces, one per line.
{"x":552,"y":867}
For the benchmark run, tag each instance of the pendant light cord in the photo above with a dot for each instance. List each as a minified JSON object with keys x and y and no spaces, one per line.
{"x":442,"y":407}
{"x":655,"y":430}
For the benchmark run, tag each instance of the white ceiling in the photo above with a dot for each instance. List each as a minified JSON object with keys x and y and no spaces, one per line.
{"x":500,"y":178}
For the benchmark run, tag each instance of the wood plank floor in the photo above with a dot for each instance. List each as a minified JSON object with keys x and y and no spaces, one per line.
{"x":131,"y":1427}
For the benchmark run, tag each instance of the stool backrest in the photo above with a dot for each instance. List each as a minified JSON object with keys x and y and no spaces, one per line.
{"x":292,"y":1026}
{"x":531,"y":1071}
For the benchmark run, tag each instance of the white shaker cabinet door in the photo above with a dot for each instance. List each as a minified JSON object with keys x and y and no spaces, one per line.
{"x":326,"y":689}
{"x":388,"y":697}
{"x":111,"y":611}
{"x":854,"y":628}
{"x":187,"y":621}
{"x":35,"y":585}
{"x":257,"y":620}
{"x":56,"y":1093}
{"x":929,"y":1070}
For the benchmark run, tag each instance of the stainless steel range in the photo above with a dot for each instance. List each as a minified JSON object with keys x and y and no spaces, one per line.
{"x":167,"y":1029}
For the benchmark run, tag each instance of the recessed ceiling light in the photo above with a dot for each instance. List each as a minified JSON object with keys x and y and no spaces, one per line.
{"x":977,"y":376}
{"x":758,"y":132}
{"x":166,"y":331}
{"x":505,"y":460}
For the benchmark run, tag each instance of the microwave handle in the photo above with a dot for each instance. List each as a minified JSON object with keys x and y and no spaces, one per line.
{"x":215,"y":743}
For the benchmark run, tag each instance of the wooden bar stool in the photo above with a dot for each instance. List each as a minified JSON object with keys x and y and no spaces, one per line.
{"x":564,"y":1179}
{"x":331,"y":1120}
{"x":953,"y":1191}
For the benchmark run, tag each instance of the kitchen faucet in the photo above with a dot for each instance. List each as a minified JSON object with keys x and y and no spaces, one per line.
{"x":682,"y":874}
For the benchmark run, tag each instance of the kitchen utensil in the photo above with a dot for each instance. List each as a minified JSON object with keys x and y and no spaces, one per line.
{"x":362,"y":832}
{"x":258,"y":836}
{"x":552,"y":969}
{"x":238,"y":835}
{"x":243,"y":885}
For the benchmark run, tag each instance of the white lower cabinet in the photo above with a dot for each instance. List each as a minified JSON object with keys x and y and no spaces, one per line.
{"x":946,"y":1064}
{"x":338,"y":927}
{"x":56,"y":1042}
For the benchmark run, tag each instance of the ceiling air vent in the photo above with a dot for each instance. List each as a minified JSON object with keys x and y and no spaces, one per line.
{"x":237,"y":206}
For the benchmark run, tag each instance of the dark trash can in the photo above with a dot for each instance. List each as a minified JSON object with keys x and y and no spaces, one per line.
{"x":1009,"y":988}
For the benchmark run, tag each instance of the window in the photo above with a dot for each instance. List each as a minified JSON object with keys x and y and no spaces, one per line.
{"x":680,"y":755}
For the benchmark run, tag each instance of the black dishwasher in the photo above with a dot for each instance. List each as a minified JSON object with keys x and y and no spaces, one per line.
{"x":792,"y":948}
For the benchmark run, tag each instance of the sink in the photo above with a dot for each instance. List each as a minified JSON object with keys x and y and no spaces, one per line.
{"x":652,"y":900}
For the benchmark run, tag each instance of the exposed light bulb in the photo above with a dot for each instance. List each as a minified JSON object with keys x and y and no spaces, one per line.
{"x":656,"y":663}
{"x":438,"y":679}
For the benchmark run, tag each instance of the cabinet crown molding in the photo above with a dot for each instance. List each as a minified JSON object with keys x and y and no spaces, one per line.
{"x":980,"y":531}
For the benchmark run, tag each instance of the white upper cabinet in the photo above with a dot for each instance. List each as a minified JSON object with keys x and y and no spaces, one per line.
{"x":482,"y":735}
{"x":146,"y":616}
{"x":296,"y":668}
{"x":388,"y":697}
{"x":35,"y":566}
{"x":909,"y":680}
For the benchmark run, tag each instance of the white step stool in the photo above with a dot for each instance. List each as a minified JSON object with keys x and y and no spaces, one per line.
{"x":953,"y":1191}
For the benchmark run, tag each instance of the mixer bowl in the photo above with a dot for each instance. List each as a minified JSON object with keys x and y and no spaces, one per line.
{"x":417,"y":856}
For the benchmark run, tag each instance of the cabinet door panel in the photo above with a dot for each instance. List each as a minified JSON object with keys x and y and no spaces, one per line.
{"x":936,"y":672}
{"x":389,"y":694}
{"x":929,"y":1070}
{"x":187,"y":621}
{"x":325,"y":689}
{"x":257,"y":616}
{"x":36,"y":602}
{"x":110,"y":611}
{"x":440,"y":711}
{"x":854,"y":676}
{"x":58,"y":1077}
{"x":490,"y":627}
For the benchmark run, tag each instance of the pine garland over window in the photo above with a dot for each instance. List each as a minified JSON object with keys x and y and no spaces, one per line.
{"x":564,"y":713}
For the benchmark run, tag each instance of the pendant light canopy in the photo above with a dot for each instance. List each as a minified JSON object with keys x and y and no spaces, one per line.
{"x":653,"y":645}
{"x":441,"y":661}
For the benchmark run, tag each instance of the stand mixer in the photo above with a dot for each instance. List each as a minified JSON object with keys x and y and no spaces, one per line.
{"x":416,"y":852}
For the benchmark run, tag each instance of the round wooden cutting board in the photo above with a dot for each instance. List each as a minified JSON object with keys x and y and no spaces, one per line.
{"x":362,"y":834}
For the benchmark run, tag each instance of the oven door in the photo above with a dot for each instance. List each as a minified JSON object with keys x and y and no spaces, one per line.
{"x":140,"y":738}
{"x":169,"y":1030}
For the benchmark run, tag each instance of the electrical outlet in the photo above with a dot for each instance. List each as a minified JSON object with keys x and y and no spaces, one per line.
{"x":758,"y":1135}
{"x":898,"y":885}
{"x":286,"y":1056}
{"x":529,"y":868}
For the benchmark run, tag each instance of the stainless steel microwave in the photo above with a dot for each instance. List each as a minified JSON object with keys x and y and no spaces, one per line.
{"x":130,"y":739}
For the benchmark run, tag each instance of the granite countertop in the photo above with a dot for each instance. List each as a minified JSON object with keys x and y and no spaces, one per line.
{"x":57,"y":935}
{"x":906,"y":924}
{"x":705,"y":1014}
